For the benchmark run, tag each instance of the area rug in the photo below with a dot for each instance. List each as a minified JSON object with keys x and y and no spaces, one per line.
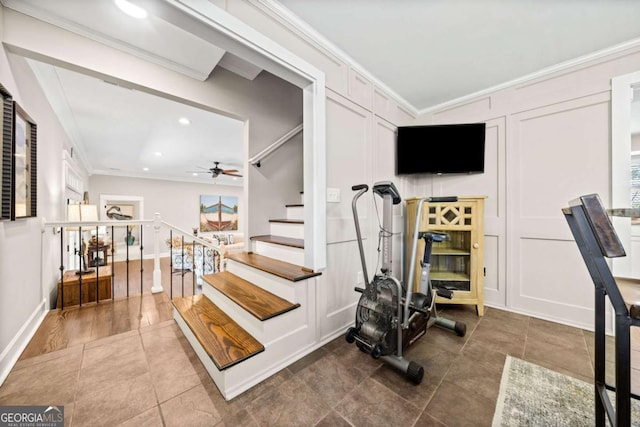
{"x":531,"y":395}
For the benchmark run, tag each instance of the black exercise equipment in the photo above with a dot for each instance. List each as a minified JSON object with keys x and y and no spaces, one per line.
{"x":390,"y":316}
{"x":597,"y":239}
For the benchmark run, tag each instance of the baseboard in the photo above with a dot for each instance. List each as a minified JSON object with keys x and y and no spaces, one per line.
{"x":10,"y":355}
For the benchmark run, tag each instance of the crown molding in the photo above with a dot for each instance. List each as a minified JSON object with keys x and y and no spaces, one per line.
{"x":294,"y":22}
{"x":541,"y":74}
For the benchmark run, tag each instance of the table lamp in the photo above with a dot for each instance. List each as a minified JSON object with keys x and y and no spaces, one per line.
{"x":82,"y":213}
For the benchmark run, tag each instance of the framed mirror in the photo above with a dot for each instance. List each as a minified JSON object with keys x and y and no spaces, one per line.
{"x":24,"y":171}
{"x":6,"y":128}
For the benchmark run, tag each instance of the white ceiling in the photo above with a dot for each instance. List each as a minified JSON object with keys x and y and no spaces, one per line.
{"x":121,"y":131}
{"x":433,"y":51}
{"x":427,"y":52}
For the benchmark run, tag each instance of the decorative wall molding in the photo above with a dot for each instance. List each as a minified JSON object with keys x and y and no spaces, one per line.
{"x":544,"y":73}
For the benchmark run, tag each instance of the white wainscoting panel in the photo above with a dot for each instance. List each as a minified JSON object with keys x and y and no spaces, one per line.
{"x":494,"y":281}
{"x":557,"y":153}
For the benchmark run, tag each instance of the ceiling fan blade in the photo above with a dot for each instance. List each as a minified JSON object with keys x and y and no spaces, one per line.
{"x":229,"y":170}
{"x":232,"y":174}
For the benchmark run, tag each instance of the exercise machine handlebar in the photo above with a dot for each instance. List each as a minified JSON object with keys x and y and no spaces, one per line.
{"x":361,"y":189}
{"x":414,"y":250}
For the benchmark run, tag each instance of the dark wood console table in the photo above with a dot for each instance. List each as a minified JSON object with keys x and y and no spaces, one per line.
{"x":72,"y":291}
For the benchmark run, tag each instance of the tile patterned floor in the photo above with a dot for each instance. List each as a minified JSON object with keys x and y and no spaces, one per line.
{"x":150,"y":376}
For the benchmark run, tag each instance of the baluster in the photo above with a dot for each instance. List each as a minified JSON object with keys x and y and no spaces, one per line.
{"x":171,"y":264}
{"x":80,"y":255}
{"x":113,"y":266}
{"x":157,"y":272}
{"x":141,"y":261}
{"x":182,"y":254}
{"x":62,"y":268}
{"x":193,"y":270}
{"x":97,"y":263}
{"x":126,"y":241}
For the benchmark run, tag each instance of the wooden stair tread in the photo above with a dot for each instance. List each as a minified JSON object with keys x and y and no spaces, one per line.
{"x":222,"y":339}
{"x":276,"y":267}
{"x":287,"y":221}
{"x":260,"y":303}
{"x":280,"y":240}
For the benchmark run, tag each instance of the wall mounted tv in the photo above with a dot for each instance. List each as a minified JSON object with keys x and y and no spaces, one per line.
{"x":440,"y":149}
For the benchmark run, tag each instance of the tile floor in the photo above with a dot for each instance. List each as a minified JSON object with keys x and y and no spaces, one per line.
{"x":150,"y":376}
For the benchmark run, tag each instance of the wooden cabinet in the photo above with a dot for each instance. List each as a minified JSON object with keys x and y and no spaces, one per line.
{"x":457,"y":264}
{"x":72,"y":287}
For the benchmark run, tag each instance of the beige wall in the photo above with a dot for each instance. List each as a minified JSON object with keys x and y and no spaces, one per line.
{"x":548,"y":141}
{"x":270,"y":106}
{"x":178,"y":203}
{"x":28,"y":260}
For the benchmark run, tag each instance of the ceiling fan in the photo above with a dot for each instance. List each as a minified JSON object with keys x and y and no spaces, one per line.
{"x":216,"y":171}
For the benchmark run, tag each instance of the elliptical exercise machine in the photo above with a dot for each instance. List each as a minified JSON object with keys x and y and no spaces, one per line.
{"x":389,"y":316}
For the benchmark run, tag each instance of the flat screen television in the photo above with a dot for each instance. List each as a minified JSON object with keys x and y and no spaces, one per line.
{"x":440,"y":149}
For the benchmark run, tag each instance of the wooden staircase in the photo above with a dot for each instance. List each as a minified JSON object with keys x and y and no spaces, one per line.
{"x":258,"y":316}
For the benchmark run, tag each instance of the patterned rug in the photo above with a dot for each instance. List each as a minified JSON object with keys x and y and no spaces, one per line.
{"x":531,"y":395}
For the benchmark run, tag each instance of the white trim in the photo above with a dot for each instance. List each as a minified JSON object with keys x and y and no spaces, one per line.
{"x":545,"y":72}
{"x":12,"y":352}
{"x":233,"y":35}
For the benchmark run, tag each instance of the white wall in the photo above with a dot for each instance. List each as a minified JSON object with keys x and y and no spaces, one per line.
{"x":178,"y":203}
{"x":270,"y":106}
{"x":28,"y":258}
{"x":548,"y":142}
{"x":360,"y":148}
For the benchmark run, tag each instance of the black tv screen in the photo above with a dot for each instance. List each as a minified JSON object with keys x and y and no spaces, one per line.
{"x":440,"y":149}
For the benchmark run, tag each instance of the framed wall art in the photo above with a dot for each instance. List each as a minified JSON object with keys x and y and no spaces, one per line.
{"x":218,"y":213}
{"x":24,"y":167}
{"x":6,"y":130}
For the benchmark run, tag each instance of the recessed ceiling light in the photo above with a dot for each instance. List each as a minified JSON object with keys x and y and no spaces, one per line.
{"x":131,"y":9}
{"x":235,"y":179}
{"x":158,"y":153}
{"x":184,"y":121}
{"x":195,"y":174}
{"x":145,"y":169}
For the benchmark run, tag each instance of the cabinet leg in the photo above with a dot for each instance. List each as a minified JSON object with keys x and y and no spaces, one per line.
{"x":480,"y":309}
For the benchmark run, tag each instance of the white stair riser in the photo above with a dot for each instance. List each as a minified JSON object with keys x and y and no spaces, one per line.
{"x":295,"y":231}
{"x":264,"y":331}
{"x":295,"y":212}
{"x":292,"y":344}
{"x":283,"y":253}
{"x":276,"y":285}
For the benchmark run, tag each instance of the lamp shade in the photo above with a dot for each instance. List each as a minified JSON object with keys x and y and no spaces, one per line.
{"x":73,"y":213}
{"x":88,"y":213}
{"x":78,"y":213}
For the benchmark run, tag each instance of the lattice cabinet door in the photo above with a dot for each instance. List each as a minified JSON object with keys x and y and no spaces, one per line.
{"x":457,"y":263}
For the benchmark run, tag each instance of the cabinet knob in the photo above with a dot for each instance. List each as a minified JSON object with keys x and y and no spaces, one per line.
{"x":476,"y":245}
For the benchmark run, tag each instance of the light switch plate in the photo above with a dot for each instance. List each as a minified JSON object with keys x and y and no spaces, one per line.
{"x":333,"y":195}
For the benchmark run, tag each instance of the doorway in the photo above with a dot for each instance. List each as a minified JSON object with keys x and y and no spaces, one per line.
{"x":625,"y":168}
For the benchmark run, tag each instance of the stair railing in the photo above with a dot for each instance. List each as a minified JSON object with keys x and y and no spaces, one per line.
{"x":208,"y":249}
{"x":255,"y":160}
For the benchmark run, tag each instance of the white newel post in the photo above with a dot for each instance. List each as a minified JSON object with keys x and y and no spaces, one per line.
{"x":157,"y":275}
